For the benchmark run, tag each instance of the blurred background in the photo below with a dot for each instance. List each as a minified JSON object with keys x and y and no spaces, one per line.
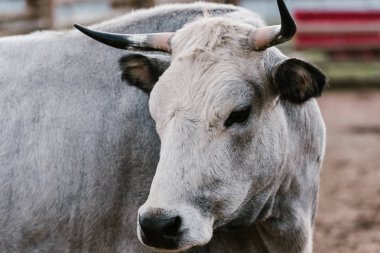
{"x":342,"y":37}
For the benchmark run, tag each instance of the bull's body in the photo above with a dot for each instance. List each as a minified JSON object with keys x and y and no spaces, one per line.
{"x":78,"y":147}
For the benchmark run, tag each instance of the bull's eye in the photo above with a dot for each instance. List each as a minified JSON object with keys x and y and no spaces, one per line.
{"x":239,"y":116}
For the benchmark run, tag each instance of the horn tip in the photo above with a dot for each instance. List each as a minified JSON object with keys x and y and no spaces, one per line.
{"x":289,"y":27}
{"x":79,"y":27}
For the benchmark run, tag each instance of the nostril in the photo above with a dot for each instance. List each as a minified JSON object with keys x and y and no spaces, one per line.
{"x":172,"y":227}
{"x":160,"y":230}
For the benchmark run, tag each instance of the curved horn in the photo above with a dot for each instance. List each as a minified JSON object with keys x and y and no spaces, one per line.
{"x":265,"y":37}
{"x":149,"y":41}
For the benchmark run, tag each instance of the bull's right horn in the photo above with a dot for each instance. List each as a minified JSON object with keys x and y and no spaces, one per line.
{"x":149,"y":41}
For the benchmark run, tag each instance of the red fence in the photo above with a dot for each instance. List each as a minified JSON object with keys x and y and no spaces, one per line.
{"x":338,"y":31}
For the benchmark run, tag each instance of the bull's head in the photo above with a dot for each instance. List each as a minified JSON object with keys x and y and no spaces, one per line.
{"x":219,"y":112}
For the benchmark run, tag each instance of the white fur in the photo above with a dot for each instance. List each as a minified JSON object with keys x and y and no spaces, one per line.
{"x":241,"y":169}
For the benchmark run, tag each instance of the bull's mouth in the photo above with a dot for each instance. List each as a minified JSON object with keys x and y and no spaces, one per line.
{"x":178,"y":243}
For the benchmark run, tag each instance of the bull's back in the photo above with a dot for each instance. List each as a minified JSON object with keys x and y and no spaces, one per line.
{"x":72,"y":137}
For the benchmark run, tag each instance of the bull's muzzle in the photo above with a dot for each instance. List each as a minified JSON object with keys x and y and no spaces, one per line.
{"x":160,"y":229}
{"x":169,"y":227}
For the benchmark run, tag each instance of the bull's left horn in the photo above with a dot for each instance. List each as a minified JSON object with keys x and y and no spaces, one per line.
{"x":149,"y":41}
{"x":265,"y":37}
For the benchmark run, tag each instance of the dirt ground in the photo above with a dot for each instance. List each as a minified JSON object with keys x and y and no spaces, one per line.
{"x":348,"y":218}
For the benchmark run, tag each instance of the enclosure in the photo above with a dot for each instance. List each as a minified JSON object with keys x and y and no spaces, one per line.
{"x":348,"y":218}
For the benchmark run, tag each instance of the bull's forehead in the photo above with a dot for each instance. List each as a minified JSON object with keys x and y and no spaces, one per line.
{"x":201,"y":87}
{"x":209,"y":34}
{"x":211,"y":72}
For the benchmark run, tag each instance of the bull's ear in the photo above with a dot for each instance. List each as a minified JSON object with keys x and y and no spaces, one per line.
{"x":143,"y":71}
{"x":298,"y":81}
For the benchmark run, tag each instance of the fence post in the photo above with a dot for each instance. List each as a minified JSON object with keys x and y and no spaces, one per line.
{"x":42,"y":11}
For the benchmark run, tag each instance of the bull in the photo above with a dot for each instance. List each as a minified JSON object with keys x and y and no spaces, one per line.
{"x":235,"y":162}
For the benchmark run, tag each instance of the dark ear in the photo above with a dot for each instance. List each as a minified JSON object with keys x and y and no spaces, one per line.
{"x":298,"y":81}
{"x":143,"y":71}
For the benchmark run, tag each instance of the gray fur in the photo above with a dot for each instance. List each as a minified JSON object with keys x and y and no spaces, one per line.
{"x":79,"y":149}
